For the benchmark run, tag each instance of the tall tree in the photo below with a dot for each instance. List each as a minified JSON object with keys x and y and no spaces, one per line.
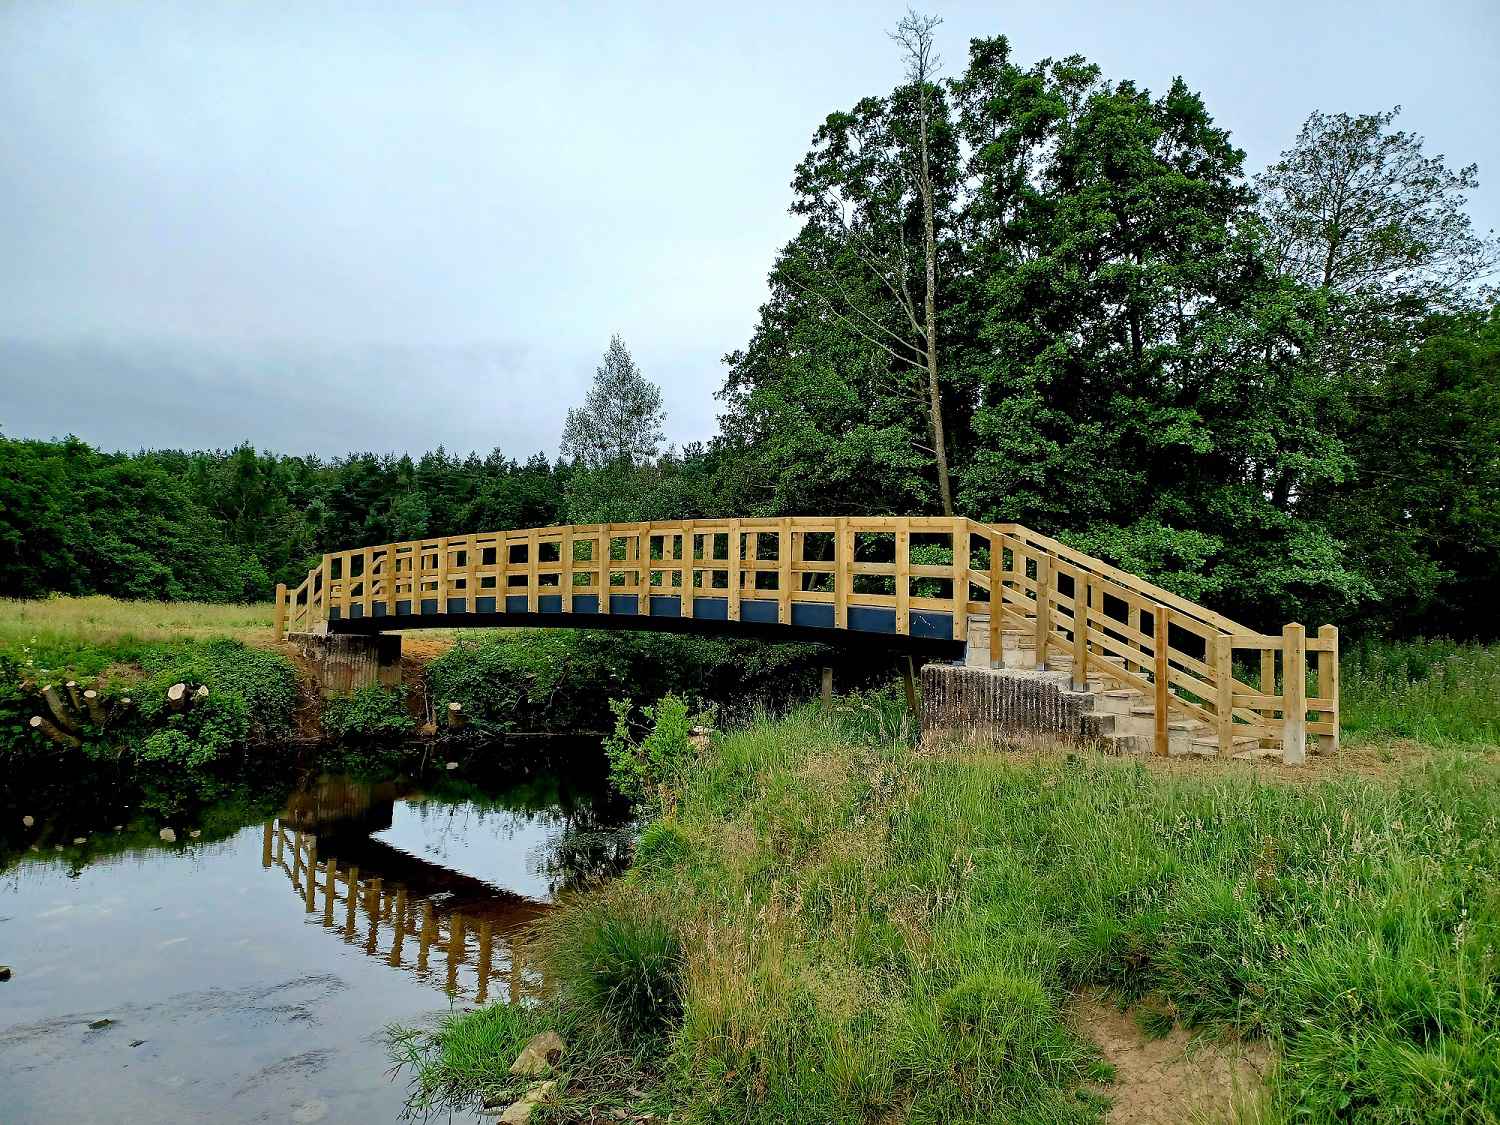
{"x":915,"y":34}
{"x":620,"y":422}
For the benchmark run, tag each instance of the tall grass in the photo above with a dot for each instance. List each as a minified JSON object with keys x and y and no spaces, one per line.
{"x":870,"y":932}
{"x":1433,"y":691}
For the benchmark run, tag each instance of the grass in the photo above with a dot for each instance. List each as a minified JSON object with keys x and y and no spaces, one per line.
{"x":1437,"y":692}
{"x":872,"y":932}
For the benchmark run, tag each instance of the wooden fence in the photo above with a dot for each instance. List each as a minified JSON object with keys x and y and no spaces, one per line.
{"x":920,"y":576}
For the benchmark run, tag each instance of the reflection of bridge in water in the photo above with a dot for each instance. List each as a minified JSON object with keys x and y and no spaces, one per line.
{"x":397,"y":907}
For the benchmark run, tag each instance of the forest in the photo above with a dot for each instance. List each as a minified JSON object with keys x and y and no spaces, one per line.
{"x":1023,"y":292}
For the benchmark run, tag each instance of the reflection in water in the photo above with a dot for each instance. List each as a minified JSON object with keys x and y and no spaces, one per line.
{"x":247,"y":975}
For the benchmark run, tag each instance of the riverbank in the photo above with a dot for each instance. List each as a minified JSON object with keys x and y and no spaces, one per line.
{"x":825,"y":922}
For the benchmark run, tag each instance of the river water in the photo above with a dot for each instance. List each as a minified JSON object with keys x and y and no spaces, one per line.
{"x":248,"y":974}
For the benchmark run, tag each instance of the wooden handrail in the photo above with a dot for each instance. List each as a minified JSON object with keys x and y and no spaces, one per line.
{"x":845,"y":572}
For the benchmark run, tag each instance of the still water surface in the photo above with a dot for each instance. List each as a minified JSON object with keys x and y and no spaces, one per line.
{"x":251,"y":978}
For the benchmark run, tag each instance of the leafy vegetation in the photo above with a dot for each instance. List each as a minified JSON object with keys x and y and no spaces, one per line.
{"x":640,"y":767}
{"x":857,"y":930}
{"x":1435,"y":692}
{"x":368,"y":714}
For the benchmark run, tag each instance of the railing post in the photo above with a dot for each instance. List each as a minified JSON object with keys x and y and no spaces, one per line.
{"x":278,"y":615}
{"x":689,"y":575}
{"x":997,"y":597}
{"x":734,"y":570}
{"x":960,"y":542}
{"x":1328,"y":682}
{"x":1161,"y":669}
{"x":1294,"y":694}
{"x":1043,"y":609}
{"x":565,"y":555}
{"x":843,"y":579}
{"x":784,"y":571}
{"x":533,"y":578}
{"x":1082,"y":587}
{"x":1224,"y":701}
{"x":603,"y":550}
{"x":903,"y":577}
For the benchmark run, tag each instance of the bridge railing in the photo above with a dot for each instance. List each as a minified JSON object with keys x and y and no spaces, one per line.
{"x":919,"y":576}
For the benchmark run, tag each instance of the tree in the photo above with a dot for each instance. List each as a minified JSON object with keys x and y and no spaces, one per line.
{"x":620,"y":422}
{"x":1356,"y":210}
{"x":915,"y":34}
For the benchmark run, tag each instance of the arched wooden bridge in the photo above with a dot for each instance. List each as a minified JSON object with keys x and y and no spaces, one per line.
{"x":922,"y":584}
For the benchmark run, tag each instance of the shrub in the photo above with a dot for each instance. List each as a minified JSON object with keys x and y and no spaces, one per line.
{"x":640,"y":768}
{"x":368,"y":714}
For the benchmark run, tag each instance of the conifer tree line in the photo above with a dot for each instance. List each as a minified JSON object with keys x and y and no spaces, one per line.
{"x":1027,"y":293}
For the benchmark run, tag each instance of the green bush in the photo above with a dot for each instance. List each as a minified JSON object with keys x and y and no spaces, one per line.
{"x":643,"y":767}
{"x":368,"y":714}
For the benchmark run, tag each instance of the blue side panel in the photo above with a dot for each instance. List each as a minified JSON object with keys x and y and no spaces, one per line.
{"x":378,"y":609}
{"x":759,"y":610}
{"x":872,"y":619}
{"x":938,"y":626}
{"x":429,"y":605}
{"x":549,"y":603}
{"x":356,"y":610}
{"x":458,"y":605}
{"x":816,"y":615}
{"x":516,"y":603}
{"x":403,"y":607}
{"x":622,"y":603}
{"x":666,"y":605}
{"x":333,"y":613}
{"x":711,"y":609}
{"x":585,"y":603}
{"x":484,"y":605}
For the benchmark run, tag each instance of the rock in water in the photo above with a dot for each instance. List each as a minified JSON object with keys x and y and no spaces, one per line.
{"x":168,"y":835}
{"x":453,"y":765}
{"x":95,"y":1025}
{"x":80,"y":839}
{"x":4,"y":972}
{"x":27,"y":821}
{"x":520,"y":1113}
{"x":540,"y":1055}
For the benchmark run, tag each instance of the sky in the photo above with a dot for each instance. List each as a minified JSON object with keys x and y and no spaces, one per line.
{"x":335,"y":227}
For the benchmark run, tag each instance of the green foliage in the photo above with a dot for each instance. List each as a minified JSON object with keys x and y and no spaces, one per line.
{"x":368,"y":714}
{"x":641,"y":767}
{"x":616,"y":958}
{"x":1436,"y":692}
{"x":889,"y":930}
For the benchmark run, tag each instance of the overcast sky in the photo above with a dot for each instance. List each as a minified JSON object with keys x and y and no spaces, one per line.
{"x":330,"y":227}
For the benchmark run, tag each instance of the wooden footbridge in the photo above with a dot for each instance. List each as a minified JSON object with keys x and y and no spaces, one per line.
{"x":941,"y":586}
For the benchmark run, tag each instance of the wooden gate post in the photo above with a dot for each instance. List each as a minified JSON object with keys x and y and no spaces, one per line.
{"x":1294,"y":694}
{"x":278,"y":616}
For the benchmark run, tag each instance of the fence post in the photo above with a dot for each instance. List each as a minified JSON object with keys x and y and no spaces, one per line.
{"x":278,"y":616}
{"x":1224,"y":703}
{"x":1328,"y":682}
{"x":1043,"y":609}
{"x":784,"y":571}
{"x":997,"y":657}
{"x":903,"y":577}
{"x":689,"y":575}
{"x":1161,"y":670}
{"x":734,"y":570}
{"x":1082,"y":587}
{"x":961,"y":580}
{"x":843,"y":579}
{"x":1294,"y":694}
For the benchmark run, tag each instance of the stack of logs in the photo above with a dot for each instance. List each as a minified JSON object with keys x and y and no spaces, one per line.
{"x":75,"y":710}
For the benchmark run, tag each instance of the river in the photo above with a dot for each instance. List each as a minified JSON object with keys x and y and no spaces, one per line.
{"x":248,"y":974}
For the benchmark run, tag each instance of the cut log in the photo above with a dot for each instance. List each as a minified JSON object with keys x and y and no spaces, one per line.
{"x":58,"y":708}
{"x":95,"y":705}
{"x":456,"y":717}
{"x":201,"y":694}
{"x":74,"y":696}
{"x":177,"y":696}
{"x":56,"y":734}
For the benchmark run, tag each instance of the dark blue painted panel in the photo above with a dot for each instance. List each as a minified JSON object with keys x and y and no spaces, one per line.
{"x":484,"y":605}
{"x":666,"y":605}
{"x":429,"y":605}
{"x":356,"y":610}
{"x":403,"y":608}
{"x":549,"y":603}
{"x":378,"y":609}
{"x":622,"y":603}
{"x":711,"y":609}
{"x":872,"y":619}
{"x":585,"y":603}
{"x":759,"y":610}
{"x":516,"y":603}
{"x":333,"y":613}
{"x":816,"y":615}
{"x":458,"y":605}
{"x":938,"y":626}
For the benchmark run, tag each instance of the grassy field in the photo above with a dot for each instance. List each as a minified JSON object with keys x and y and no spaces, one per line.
{"x":827,"y":924}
